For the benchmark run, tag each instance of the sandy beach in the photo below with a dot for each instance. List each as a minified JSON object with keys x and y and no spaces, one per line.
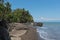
{"x":22,"y":32}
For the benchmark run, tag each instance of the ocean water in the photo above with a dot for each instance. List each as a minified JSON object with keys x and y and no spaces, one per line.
{"x":49,"y":31}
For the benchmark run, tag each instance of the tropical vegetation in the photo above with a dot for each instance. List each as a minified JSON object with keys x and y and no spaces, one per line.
{"x":20,"y":15}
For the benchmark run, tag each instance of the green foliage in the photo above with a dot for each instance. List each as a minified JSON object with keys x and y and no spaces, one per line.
{"x":2,"y":8}
{"x":22,"y":16}
{"x":18,"y":15}
{"x":7,"y":7}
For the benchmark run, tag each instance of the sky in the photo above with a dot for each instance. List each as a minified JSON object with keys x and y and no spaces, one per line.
{"x":41,"y":10}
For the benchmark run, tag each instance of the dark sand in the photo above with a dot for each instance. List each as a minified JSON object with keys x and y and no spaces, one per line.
{"x":30,"y":35}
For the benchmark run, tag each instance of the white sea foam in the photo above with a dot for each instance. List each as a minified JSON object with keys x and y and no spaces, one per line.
{"x":44,"y":34}
{"x":50,"y":31}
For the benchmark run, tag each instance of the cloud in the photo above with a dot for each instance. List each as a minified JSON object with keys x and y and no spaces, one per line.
{"x":49,"y":19}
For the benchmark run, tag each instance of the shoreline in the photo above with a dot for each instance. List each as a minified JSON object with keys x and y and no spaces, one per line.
{"x":39,"y":38}
{"x":30,"y":33}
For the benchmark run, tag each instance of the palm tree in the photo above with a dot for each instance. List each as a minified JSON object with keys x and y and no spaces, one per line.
{"x":8,"y":7}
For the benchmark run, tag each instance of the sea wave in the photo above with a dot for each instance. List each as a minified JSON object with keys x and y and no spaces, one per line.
{"x":43,"y":33}
{"x":49,"y":31}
